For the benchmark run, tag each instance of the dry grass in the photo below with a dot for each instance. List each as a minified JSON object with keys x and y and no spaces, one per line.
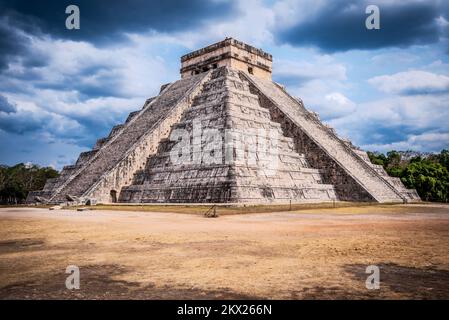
{"x":44,"y":206}
{"x":233,"y":209}
{"x":303,"y":254}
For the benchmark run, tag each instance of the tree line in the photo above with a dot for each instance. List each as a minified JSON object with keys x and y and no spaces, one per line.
{"x":427,"y":173}
{"x":16,"y":181}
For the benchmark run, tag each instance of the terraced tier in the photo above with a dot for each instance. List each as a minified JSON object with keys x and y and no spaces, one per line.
{"x":267,"y":168}
{"x":114,"y":160}
{"x":352,"y":177}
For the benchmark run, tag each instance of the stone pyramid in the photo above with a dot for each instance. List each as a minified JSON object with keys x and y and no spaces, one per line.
{"x":224,"y":133}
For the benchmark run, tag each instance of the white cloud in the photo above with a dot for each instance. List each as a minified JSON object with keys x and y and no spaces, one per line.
{"x":442,"y":22}
{"x":293,"y":12}
{"x":252,"y":25}
{"x":133,"y":69}
{"x":322,"y":67}
{"x":318,"y":96}
{"x":395,"y":119}
{"x":394,"y":57}
{"x":424,"y":142}
{"x":319,"y":81}
{"x":81,"y":91}
{"x":339,"y":100}
{"x":252,"y":22}
{"x":59,"y":98}
{"x":410,"y":82}
{"x":438,"y":66}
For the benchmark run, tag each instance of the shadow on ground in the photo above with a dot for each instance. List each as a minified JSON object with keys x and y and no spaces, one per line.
{"x":396,"y":282}
{"x":410,"y":282}
{"x":17,"y":245}
{"x":100,"y":282}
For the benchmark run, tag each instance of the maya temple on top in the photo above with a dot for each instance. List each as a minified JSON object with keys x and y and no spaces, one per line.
{"x":223,"y":133}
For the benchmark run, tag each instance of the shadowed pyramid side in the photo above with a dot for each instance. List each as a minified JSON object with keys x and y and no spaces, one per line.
{"x":354,"y":178}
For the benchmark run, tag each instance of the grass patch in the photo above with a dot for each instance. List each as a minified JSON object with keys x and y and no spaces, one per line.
{"x":229,"y":209}
{"x":42,"y":206}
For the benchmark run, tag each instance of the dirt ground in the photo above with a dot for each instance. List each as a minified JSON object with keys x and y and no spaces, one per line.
{"x":304,"y":254}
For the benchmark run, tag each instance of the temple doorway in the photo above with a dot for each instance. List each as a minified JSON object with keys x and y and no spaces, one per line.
{"x":113,"y":196}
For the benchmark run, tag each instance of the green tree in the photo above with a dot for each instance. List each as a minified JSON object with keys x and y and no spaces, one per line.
{"x":377,"y":158}
{"x":393,"y":159}
{"x":18,"y":180}
{"x":443,"y":158}
{"x":429,"y":175}
{"x":430,"y":179}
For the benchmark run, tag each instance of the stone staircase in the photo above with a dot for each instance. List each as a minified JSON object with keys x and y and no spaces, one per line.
{"x":313,"y":163}
{"x":114,"y":159}
{"x":380,"y":187}
{"x":409,"y":194}
{"x":227,"y":106}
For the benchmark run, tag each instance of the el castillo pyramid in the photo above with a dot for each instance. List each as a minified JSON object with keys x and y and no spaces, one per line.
{"x":224,"y":133}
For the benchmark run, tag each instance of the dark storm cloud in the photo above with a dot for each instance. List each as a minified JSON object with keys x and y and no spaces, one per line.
{"x":21,"y":124}
{"x":12,"y":43}
{"x":30,"y":123}
{"x":340,"y":26}
{"x":105,"y":85}
{"x":380,"y":133}
{"x":103,"y":21}
{"x":15,"y":44}
{"x":78,"y":128}
{"x":6,"y":106}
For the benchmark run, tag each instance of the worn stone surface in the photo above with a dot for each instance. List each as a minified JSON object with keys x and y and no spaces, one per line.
{"x":354,"y":177}
{"x":112,"y":163}
{"x":270,"y":147}
{"x":226,"y":103}
{"x":230,"y":53}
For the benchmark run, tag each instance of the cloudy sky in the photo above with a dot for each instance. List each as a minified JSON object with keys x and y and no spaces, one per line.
{"x":62,"y":89}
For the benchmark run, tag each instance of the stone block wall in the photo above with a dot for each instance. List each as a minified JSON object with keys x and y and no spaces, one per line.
{"x":134,"y":160}
{"x":227,"y":106}
{"x":353,"y":178}
{"x":346,"y":188}
{"x":114,"y":159}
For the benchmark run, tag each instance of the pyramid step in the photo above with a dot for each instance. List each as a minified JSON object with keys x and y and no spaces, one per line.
{"x":131,"y":116}
{"x":115,"y":130}
{"x":100,"y":142}
{"x":331,"y":147}
{"x":85,"y":157}
{"x":226,"y":103}
{"x":130,"y":144}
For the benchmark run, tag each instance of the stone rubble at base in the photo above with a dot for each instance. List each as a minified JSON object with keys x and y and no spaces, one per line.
{"x":133,"y":164}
